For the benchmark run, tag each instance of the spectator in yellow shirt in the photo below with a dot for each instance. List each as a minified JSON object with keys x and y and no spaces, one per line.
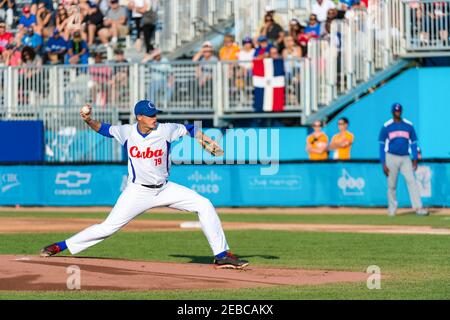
{"x":342,"y":141}
{"x":317,"y":143}
{"x":230,"y":50}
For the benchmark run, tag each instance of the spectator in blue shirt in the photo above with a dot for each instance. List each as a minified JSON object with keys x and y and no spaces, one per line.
{"x":313,"y":27}
{"x":55,"y":48}
{"x":32,"y":39}
{"x":263,"y":49}
{"x":345,"y":4}
{"x":27,"y":19}
{"x":77,"y":50}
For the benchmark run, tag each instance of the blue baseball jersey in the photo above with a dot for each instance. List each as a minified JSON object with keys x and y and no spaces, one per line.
{"x":55,"y":45}
{"x":397,"y":138}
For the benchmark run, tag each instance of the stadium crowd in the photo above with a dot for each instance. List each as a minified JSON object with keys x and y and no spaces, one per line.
{"x":277,"y":41}
{"x":71,"y":31}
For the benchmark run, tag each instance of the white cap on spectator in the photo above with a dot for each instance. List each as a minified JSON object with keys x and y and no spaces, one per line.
{"x":269,"y":8}
{"x":207,"y":44}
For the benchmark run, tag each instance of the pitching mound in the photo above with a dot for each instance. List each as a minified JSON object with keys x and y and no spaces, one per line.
{"x":24,"y":273}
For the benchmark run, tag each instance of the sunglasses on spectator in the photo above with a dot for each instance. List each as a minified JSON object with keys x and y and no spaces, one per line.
{"x":316,"y":125}
{"x":341,"y":123}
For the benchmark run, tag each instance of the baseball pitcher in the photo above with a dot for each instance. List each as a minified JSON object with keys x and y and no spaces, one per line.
{"x":147,"y":143}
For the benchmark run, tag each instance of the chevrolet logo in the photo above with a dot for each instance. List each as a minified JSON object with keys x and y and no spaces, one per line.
{"x":73,"y":179}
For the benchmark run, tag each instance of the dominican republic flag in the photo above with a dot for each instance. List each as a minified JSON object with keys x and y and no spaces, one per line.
{"x":268,"y":81}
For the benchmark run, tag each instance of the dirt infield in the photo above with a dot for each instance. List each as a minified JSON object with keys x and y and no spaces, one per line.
{"x":33,"y":225}
{"x":29,"y":273}
{"x":226,"y":210}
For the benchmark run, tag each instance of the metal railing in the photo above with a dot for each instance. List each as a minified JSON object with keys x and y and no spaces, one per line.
{"x":104,"y":86}
{"x":417,"y":26}
{"x":175,"y":86}
{"x":180,"y":87}
{"x":354,"y":50}
{"x":427,"y":24}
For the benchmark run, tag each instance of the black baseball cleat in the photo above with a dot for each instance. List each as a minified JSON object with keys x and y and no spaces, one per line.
{"x":230,"y":261}
{"x":50,"y":250}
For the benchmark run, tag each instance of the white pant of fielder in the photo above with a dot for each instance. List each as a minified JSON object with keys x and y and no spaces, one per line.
{"x":136,"y":199}
{"x":402,"y":164}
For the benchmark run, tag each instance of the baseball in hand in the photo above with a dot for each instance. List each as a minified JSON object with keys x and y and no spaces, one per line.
{"x":86,"y":110}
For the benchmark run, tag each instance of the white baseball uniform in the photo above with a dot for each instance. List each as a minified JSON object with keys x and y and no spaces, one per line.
{"x":149,"y":164}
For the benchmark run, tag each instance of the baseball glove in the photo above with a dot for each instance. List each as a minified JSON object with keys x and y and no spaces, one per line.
{"x":211,"y":146}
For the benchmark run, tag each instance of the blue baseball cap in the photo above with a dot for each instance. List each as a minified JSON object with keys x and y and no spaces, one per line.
{"x":145,"y":108}
{"x":262,"y":38}
{"x":247,"y":40}
{"x":396,"y":107}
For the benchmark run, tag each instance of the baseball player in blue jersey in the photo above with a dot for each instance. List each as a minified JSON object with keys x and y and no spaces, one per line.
{"x":147,"y":144}
{"x":397,"y":137}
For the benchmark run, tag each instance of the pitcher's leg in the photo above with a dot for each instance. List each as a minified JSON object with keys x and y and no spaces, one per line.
{"x":133,"y":201}
{"x":182,"y":198}
{"x":392,"y":165}
{"x":408,"y":172}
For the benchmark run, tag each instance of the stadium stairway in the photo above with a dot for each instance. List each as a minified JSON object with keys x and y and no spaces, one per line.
{"x":328,"y":112}
{"x":214,"y":34}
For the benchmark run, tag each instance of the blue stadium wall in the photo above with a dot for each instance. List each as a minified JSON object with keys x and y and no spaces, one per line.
{"x":425,"y":96}
{"x":303,"y":184}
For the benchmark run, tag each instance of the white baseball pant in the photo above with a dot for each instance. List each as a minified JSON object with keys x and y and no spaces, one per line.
{"x":402,"y":164}
{"x":136,"y":199}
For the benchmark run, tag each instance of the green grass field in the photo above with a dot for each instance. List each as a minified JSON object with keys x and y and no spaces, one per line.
{"x":417,"y":266}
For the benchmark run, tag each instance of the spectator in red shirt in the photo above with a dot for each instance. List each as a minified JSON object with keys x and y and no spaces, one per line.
{"x":5,"y":37}
{"x":11,"y":56}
